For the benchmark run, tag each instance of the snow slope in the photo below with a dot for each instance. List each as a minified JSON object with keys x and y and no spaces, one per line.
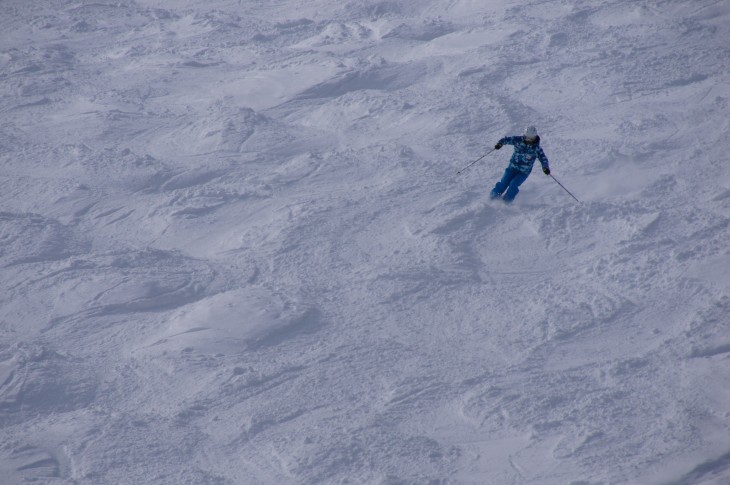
{"x":234,"y":248}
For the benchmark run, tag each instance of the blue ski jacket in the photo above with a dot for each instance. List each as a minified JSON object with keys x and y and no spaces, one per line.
{"x":525,"y":154}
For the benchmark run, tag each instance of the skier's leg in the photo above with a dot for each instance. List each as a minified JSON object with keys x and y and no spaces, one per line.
{"x":502,"y":185}
{"x":514,"y":187}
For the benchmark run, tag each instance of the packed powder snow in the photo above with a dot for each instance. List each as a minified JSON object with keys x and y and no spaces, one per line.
{"x":237,"y":245}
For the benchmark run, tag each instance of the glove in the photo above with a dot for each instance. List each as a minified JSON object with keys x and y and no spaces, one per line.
{"x":546,"y":170}
{"x":497,"y":146}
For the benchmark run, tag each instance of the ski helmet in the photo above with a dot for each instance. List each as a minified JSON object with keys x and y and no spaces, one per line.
{"x":531,"y":134}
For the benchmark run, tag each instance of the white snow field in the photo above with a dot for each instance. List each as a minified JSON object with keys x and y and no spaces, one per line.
{"x":234,"y":248}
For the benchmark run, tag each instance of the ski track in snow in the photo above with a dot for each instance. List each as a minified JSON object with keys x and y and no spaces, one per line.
{"x":234,"y":247}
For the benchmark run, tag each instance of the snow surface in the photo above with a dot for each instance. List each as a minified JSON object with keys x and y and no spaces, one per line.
{"x":234,"y":248}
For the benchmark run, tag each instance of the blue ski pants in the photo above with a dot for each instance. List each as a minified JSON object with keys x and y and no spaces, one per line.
{"x":511,"y":181}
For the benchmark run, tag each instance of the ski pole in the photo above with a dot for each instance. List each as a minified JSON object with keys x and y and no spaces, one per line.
{"x":568,"y":191}
{"x":475,"y":161}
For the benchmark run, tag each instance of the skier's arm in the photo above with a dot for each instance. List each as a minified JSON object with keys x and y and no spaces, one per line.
{"x":543,"y":161}
{"x":507,"y":140}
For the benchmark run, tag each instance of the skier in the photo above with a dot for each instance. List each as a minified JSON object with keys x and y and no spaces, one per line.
{"x":527,"y":149}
